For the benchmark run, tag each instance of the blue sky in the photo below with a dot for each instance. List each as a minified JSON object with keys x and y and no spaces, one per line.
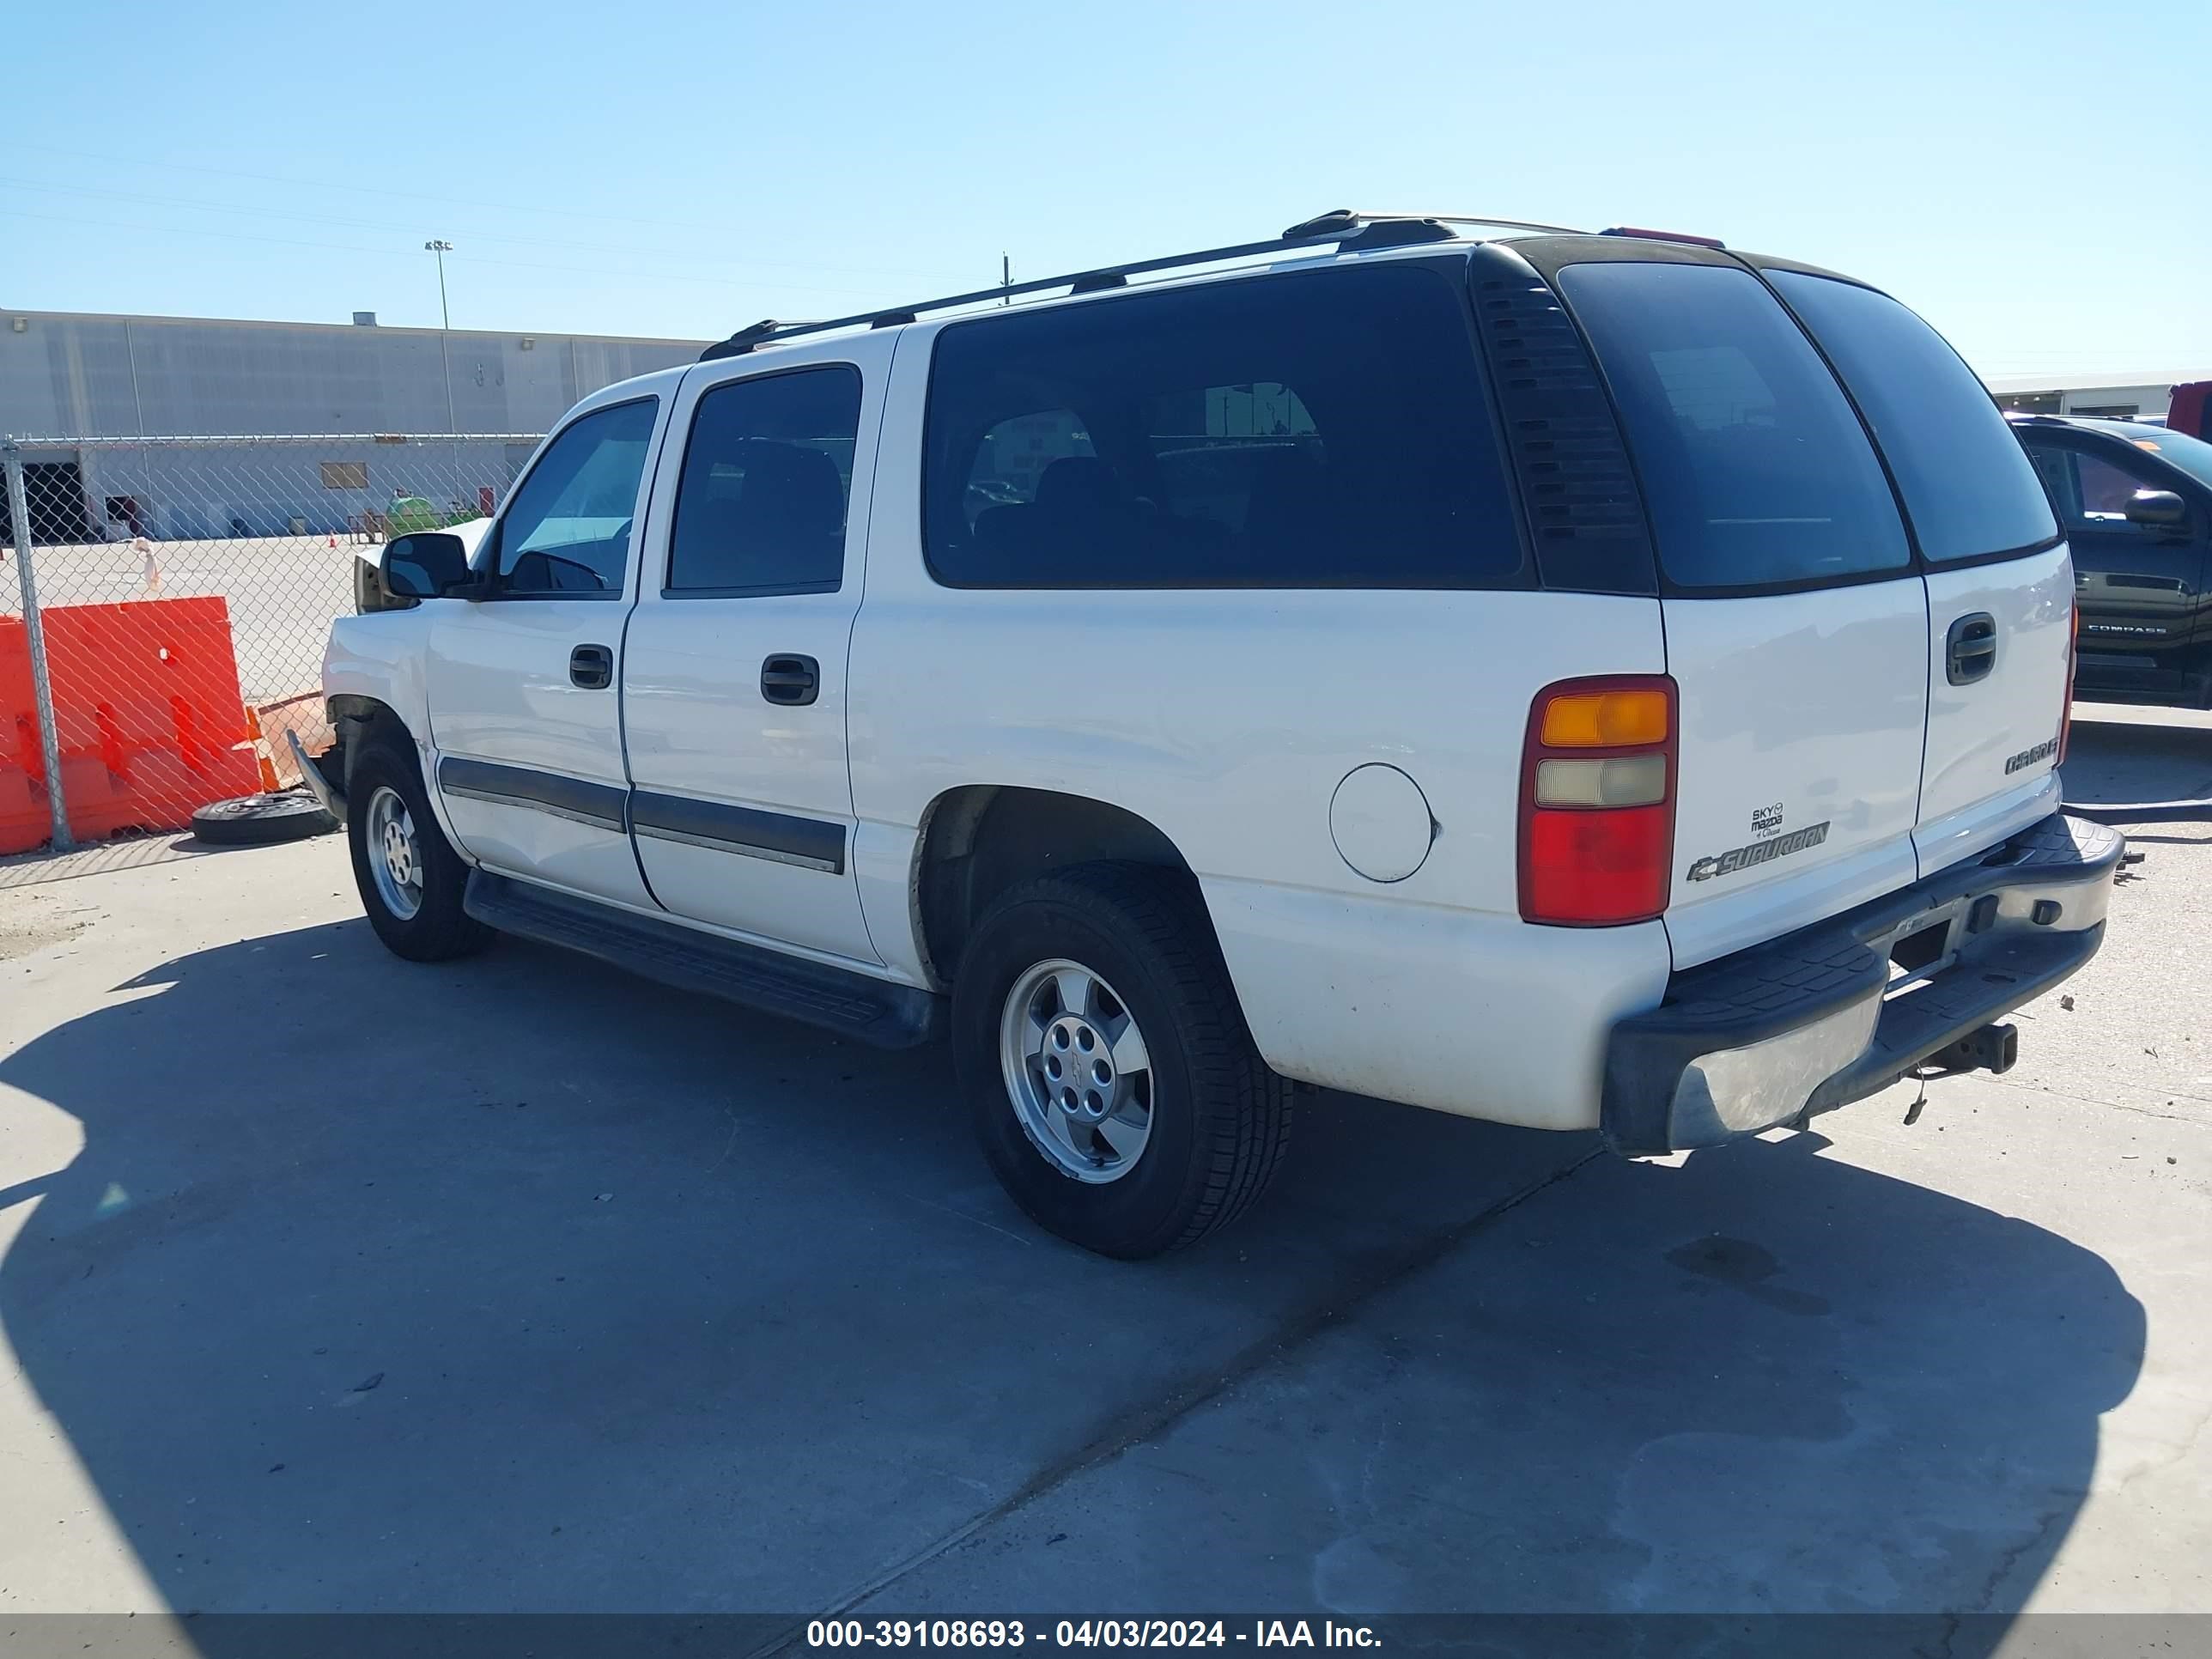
{"x":2035,"y":178}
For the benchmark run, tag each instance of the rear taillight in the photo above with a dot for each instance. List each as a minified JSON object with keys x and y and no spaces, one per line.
{"x":2066,"y":708}
{"x":1597,"y":801}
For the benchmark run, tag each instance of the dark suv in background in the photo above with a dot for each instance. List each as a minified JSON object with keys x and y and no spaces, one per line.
{"x":2135,"y":503}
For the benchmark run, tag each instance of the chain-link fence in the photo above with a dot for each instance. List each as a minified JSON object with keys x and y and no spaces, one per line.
{"x":178,"y":585}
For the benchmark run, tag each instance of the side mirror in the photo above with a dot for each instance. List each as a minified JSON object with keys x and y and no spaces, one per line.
{"x":2157,"y":507}
{"x":425,"y":565}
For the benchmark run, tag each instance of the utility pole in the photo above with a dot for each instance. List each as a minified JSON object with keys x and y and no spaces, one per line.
{"x":441,"y":248}
{"x":1005,"y":279}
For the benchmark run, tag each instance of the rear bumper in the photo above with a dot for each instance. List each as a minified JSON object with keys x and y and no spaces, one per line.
{"x":1808,"y":1022}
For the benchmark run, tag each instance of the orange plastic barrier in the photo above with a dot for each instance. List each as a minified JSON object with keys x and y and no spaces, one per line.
{"x":22,"y":805}
{"x":147,"y":707}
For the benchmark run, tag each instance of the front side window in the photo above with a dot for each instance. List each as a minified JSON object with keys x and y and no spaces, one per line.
{"x":1324,"y":429}
{"x":566,"y":529}
{"x":761,"y":505}
{"x":1967,"y":488}
{"x":1754,"y":469}
{"x":2091,"y":489}
{"x":2193,"y":455}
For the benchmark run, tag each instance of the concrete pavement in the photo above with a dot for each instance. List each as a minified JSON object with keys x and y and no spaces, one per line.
{"x":335,"y":1282}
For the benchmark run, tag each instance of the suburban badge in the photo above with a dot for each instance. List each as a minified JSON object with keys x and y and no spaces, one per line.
{"x":1759,"y":852}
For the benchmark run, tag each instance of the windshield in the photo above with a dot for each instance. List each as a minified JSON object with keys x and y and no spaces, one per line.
{"x":2193,"y":455}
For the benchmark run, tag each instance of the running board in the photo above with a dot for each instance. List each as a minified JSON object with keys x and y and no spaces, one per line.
{"x":875,"y":1011}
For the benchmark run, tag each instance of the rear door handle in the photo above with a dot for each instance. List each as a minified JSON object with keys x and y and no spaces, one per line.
{"x":792,"y":681}
{"x":591,"y":667}
{"x":1969,"y":649}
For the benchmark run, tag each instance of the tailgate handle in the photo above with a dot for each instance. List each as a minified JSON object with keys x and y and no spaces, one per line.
{"x":1969,"y":649}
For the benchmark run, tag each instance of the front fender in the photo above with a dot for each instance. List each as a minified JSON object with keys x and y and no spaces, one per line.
{"x":380,"y":658}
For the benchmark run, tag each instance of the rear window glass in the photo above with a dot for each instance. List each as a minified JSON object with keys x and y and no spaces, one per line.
{"x":1755,"y":470}
{"x":1323,"y":429}
{"x":1968,"y":488}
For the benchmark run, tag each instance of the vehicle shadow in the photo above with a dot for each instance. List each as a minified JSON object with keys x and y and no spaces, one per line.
{"x":515,"y":1284}
{"x":2128,"y":772}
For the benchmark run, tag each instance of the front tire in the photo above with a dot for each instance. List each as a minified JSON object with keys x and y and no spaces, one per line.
{"x":411,"y":880}
{"x":1116,"y":1089}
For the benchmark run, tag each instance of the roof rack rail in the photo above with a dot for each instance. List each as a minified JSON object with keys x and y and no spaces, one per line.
{"x":1340,"y":222}
{"x":750,"y":335}
{"x":1342,"y":226}
{"x":1643,"y":233}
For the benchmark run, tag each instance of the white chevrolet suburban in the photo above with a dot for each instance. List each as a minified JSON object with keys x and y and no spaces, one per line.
{"x":1590,"y":681}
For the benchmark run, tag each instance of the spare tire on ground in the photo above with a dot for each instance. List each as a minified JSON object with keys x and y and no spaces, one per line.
{"x":261,"y":820}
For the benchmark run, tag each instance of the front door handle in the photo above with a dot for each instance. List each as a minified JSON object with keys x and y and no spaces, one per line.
{"x":1969,"y":649}
{"x":792,"y":681}
{"x":591,"y":667}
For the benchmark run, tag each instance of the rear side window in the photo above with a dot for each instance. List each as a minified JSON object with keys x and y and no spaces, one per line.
{"x":1013,"y":456}
{"x":1755,"y":470}
{"x":1968,"y":488}
{"x":761,"y":505}
{"x":2193,"y":455}
{"x":1323,"y":429}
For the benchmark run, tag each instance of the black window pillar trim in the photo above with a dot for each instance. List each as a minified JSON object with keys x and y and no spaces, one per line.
{"x":1503,"y":260}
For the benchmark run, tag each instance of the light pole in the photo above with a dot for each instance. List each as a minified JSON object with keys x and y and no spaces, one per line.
{"x":441,"y":248}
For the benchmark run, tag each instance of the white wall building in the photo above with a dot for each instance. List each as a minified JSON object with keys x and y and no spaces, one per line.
{"x":69,"y":376}
{"x":2145,"y":395}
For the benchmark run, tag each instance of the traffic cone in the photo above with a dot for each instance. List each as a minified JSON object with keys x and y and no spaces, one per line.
{"x":265,"y":756}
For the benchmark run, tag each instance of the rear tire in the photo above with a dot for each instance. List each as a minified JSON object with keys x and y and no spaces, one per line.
{"x":411,"y":880}
{"x":1173,"y":1124}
